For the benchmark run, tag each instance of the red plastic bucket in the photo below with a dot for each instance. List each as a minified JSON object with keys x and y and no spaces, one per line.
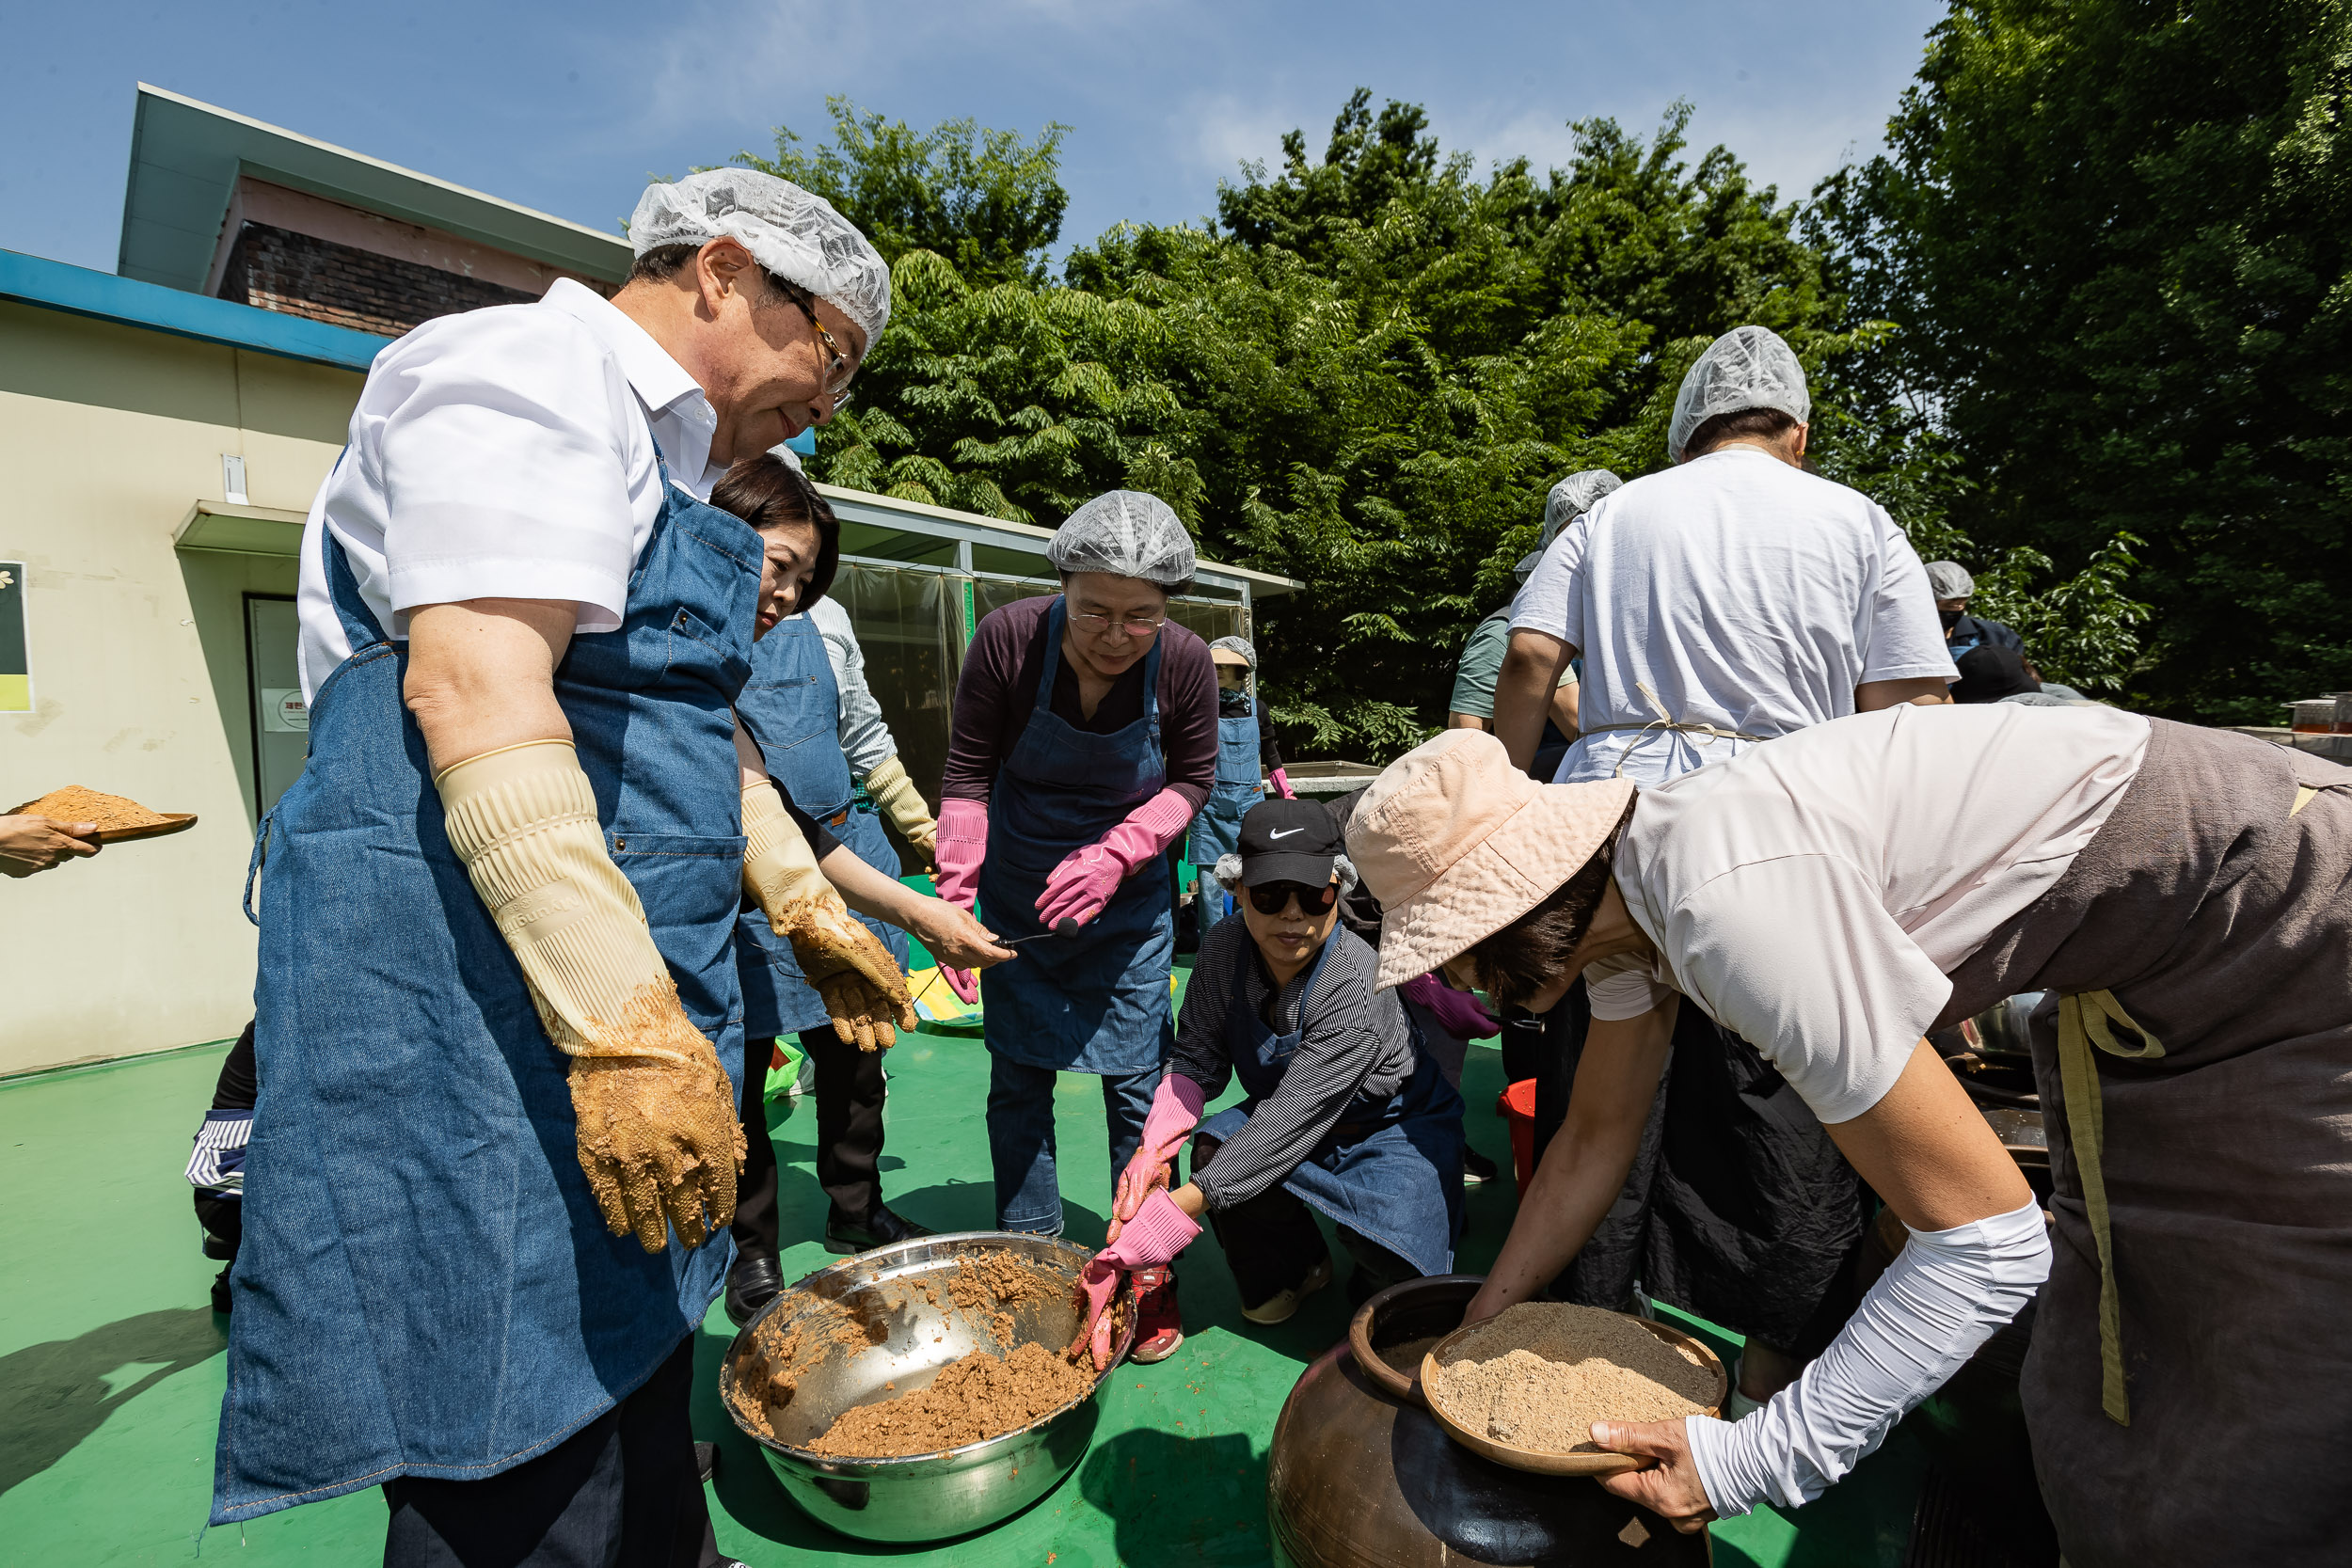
{"x":1518,"y":1108}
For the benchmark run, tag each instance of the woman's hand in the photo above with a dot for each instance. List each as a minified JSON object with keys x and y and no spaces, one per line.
{"x":1670,"y":1486}
{"x":955,"y":938}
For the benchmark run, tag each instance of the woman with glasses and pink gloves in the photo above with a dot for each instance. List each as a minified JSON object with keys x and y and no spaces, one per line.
{"x":1346,"y":1112}
{"x":1084,"y":740}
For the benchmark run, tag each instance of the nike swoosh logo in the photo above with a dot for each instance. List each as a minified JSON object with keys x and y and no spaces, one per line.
{"x":1286,"y":832}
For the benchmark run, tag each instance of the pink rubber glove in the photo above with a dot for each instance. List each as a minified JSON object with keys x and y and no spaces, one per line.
{"x":1458,"y":1012}
{"x":1175,"y":1111}
{"x":963,"y":845}
{"x":1281,"y":782}
{"x":1159,"y":1231}
{"x":1084,"y":880}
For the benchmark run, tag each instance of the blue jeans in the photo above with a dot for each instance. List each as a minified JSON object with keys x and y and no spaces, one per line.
{"x":1021,"y":1137}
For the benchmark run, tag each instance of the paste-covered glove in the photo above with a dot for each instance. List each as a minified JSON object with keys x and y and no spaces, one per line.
{"x":1158,"y":1233}
{"x":1281,"y":782}
{"x":895,"y":795}
{"x":1458,"y":1012}
{"x":1083,"y":883}
{"x":963,"y":845}
{"x":1175,"y":1111}
{"x":659,"y":1138}
{"x":864,"y":990}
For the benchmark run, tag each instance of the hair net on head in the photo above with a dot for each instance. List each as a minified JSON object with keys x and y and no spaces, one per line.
{"x":1238,"y":644}
{"x":1949,"y":580}
{"x":1572,"y":497}
{"x":1528,"y":562}
{"x":794,"y":234}
{"x":1128,"y":535}
{"x":1748,"y":366}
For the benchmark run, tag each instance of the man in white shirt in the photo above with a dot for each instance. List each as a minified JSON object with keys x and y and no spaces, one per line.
{"x":1721,"y":602}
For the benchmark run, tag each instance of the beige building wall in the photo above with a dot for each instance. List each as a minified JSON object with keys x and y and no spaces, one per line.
{"x":110,"y":434}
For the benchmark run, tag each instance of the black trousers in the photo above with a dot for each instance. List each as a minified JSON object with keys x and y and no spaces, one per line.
{"x":1271,"y":1242}
{"x":622,"y":1492}
{"x":1738,"y":1208}
{"x":850,"y":1094}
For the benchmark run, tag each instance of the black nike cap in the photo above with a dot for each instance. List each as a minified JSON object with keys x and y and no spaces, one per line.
{"x":1289,"y":840}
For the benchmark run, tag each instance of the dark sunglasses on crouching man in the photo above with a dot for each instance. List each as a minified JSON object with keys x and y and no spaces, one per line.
{"x":1288,"y":847}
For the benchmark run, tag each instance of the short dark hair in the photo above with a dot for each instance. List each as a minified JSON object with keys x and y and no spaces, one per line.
{"x":664,"y":262}
{"x":1520,"y":960}
{"x":767,"y":492}
{"x":1770,"y":423}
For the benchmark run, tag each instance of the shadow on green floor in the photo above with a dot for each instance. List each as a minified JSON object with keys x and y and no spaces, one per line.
{"x":57,"y":1393}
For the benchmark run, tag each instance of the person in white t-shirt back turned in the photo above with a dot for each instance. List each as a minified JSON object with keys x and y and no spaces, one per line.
{"x":1727,"y":600}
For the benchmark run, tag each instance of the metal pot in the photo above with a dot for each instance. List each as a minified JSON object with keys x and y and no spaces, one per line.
{"x":924,"y":1497}
{"x":1362,"y":1477}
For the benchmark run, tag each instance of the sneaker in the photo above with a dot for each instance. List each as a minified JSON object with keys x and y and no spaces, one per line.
{"x":1476,"y":1169}
{"x":1159,"y":1325}
{"x":1279,"y":1306}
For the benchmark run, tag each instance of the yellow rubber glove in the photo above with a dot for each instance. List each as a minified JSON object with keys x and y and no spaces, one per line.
{"x":894,"y":794}
{"x":863,"y":988}
{"x":659,"y":1137}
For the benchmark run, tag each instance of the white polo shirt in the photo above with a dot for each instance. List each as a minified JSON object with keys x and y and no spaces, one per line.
{"x":1812,"y":895}
{"x":1744,"y":593}
{"x":506,"y":452}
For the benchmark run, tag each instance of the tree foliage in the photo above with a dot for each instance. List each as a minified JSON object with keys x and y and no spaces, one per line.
{"x":2115,"y":233}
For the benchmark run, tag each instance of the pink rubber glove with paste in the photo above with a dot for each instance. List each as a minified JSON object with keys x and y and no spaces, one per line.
{"x":963,"y":845}
{"x":1281,"y":782}
{"x":1083,"y":882}
{"x":1175,"y":1111}
{"x":1158,"y":1233}
{"x":1458,"y":1012}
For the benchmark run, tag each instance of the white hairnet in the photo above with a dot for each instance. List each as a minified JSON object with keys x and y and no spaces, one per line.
{"x":1528,"y":562}
{"x":1238,"y":644}
{"x":1949,"y":580}
{"x":794,"y":234}
{"x":1572,"y":497}
{"x":1128,"y":535}
{"x":1748,"y":366}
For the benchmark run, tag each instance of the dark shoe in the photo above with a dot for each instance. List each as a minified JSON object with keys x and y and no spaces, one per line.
{"x":1159,"y":1326}
{"x":879,"y":1229}
{"x":1477,"y":1168}
{"x":751,"y":1284}
{"x":220,"y":1289}
{"x":705,"y":1461}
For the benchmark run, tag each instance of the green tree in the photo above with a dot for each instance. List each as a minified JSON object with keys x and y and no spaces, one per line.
{"x":2115,"y":236}
{"x":988,"y":202}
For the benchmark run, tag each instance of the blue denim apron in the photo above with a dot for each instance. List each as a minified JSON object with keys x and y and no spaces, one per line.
{"x":1095,"y":1001}
{"x":1390,"y":1170}
{"x":425,"y":1286}
{"x":1216,"y":831}
{"x":793,"y":710}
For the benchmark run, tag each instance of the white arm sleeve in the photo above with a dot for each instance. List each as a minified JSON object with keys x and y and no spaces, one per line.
{"x":866,"y":738}
{"x":1902,"y":636}
{"x":1942,"y":1296}
{"x":1547,"y":602}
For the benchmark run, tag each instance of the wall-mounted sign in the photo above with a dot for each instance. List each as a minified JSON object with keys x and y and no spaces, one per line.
{"x":283,"y":710}
{"x":16,"y":667}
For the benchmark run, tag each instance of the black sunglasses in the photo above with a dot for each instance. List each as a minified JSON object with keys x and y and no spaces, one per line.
{"x":1273,"y":898}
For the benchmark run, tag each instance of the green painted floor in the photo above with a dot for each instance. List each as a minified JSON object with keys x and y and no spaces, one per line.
{"x":111,"y":1363}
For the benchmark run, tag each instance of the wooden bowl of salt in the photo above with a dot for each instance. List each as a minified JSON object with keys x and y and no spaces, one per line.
{"x":1523,"y":1387}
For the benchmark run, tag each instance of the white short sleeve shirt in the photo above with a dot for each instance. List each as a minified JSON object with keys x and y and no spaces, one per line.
{"x":866,"y":738}
{"x":1743,"y":594}
{"x":1813,"y":894}
{"x":506,"y":452}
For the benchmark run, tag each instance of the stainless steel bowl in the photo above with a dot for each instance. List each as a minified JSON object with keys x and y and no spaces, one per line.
{"x":924,"y":1497}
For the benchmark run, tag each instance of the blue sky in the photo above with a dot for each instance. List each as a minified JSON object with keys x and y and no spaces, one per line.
{"x":569,"y":108}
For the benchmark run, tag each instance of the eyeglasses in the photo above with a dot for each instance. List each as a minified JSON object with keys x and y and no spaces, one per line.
{"x":1133,"y":625}
{"x":837,"y":374}
{"x":1274,"y":897}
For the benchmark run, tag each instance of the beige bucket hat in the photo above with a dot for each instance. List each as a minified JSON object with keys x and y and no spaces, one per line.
{"x":1456,"y":844}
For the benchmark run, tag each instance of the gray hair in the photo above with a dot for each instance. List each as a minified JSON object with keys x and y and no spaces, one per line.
{"x":1228,"y":873}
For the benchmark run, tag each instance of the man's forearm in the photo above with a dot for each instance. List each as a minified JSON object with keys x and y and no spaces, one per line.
{"x":1563,"y":698}
{"x":1530,"y":672}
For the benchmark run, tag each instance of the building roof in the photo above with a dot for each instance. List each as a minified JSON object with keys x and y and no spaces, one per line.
{"x":186,"y":157}
{"x":79,"y":291}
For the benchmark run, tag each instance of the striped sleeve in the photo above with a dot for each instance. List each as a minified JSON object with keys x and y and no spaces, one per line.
{"x":218,"y":1163}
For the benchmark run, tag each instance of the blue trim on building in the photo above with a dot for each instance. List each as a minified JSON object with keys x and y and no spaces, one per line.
{"x":58,"y":286}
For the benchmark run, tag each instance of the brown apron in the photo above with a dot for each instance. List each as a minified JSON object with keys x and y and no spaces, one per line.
{"x":2195,"y":1063}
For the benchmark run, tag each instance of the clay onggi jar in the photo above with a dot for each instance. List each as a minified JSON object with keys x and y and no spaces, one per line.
{"x":1360,"y":1476}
